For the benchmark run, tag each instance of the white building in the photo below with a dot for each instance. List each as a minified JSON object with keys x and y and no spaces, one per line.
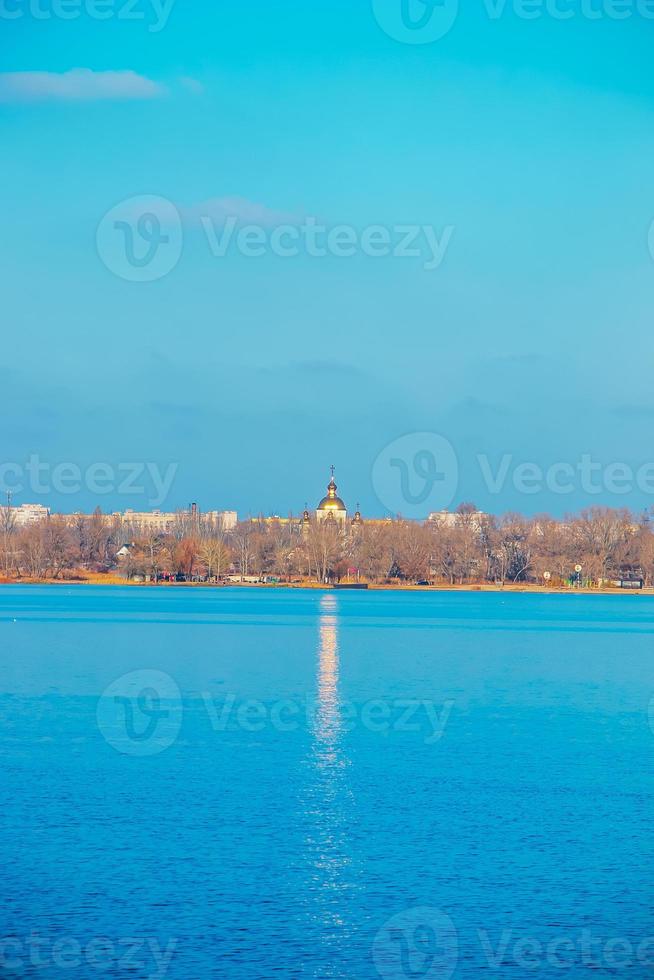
{"x":152,"y":520}
{"x":156,"y":520}
{"x":451,"y":519}
{"x":26,"y":514}
{"x":224,"y":520}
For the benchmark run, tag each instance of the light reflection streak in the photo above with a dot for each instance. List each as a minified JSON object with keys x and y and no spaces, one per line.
{"x":331,"y":803}
{"x":328,"y":725}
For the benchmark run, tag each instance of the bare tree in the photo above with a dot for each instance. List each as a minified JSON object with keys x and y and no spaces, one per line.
{"x":243,"y":545}
{"x":7,"y":529}
{"x":325,"y":549}
{"x":214,"y":555}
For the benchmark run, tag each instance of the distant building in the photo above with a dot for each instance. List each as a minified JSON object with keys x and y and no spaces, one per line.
{"x":27,"y":514}
{"x":153,"y":520}
{"x":289,"y":521}
{"x":165,"y":523}
{"x":224,"y":520}
{"x":452,"y":519}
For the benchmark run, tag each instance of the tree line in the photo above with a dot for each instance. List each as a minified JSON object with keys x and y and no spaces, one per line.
{"x":606,"y":544}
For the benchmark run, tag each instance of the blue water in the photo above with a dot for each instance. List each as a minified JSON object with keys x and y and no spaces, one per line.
{"x":252,"y":784}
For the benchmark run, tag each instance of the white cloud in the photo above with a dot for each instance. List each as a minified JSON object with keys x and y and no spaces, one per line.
{"x":76,"y":85}
{"x":192,"y":85}
{"x":219,"y":209}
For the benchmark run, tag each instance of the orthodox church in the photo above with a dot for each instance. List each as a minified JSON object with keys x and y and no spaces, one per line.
{"x":331,"y":507}
{"x":332,"y":510}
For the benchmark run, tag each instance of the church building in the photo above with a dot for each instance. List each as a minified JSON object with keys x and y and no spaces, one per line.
{"x":330,"y":512}
{"x":331,"y":508}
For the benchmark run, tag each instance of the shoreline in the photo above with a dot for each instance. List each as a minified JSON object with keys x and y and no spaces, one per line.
{"x":510,"y":587}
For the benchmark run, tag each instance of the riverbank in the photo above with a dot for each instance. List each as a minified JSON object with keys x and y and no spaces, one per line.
{"x":513,"y":587}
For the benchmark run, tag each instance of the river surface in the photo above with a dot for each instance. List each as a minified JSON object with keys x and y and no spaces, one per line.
{"x":250,"y":783}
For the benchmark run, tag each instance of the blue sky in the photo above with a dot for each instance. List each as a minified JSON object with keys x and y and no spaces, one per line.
{"x":531,"y":139}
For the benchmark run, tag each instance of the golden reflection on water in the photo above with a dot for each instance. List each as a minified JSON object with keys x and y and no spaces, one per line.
{"x":330,"y":808}
{"x":327,"y":718}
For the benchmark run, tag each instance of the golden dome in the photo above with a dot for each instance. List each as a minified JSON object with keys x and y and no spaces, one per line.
{"x":331,"y":502}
